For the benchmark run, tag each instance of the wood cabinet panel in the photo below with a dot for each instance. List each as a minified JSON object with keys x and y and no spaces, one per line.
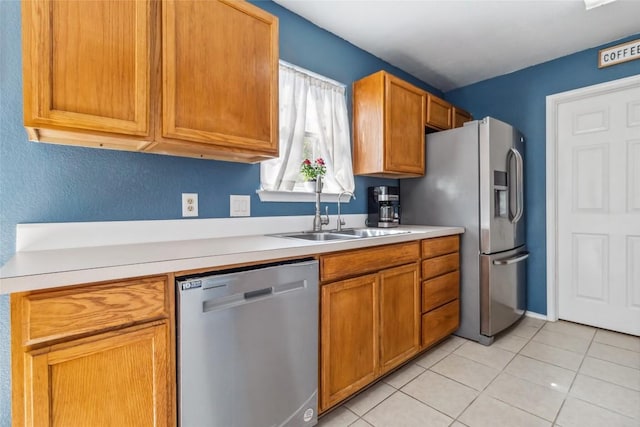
{"x":399,"y":315}
{"x":87,"y":65}
{"x":52,"y":315}
{"x":439,"y":246}
{"x":114,"y":364}
{"x":404,"y":141}
{"x":121,"y":378}
{"x":460,"y":117}
{"x":388,"y":127}
{"x":186,"y":78}
{"x":438,"y":114}
{"x":361,"y":261}
{"x":440,"y":265}
{"x":440,"y":290}
{"x":209,"y":94}
{"x":368,"y":124}
{"x":439,"y":323}
{"x":348,"y":338}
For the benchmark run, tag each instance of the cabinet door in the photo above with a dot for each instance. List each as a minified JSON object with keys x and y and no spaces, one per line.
{"x":460,"y":117}
{"x":404,"y":127}
{"x":438,"y":113}
{"x":87,"y":65}
{"x":220,"y":74}
{"x":399,"y":315}
{"x":348,"y":338}
{"x":118,"y":379}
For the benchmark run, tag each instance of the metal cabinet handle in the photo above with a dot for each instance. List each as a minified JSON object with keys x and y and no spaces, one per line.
{"x":506,"y":261}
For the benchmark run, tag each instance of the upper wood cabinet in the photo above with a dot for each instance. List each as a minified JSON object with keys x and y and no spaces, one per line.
{"x":388,"y":127}
{"x":188,"y":78}
{"x":438,"y":113}
{"x":87,"y":67}
{"x":442,"y":115}
{"x":460,"y":117}
{"x":220,"y":62}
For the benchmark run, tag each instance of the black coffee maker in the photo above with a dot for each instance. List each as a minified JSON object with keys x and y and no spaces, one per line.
{"x":383,"y":206}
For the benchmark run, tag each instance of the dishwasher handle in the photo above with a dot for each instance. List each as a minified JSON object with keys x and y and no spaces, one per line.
{"x":258,"y":293}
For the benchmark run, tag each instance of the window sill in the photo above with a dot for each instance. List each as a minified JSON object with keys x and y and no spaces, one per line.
{"x":299,"y":196}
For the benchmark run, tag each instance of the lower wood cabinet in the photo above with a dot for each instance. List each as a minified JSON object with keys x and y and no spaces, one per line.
{"x":440,"y":323}
{"x":112,"y":379}
{"x":369,"y":324}
{"x":94,"y":355}
{"x":440,"y":289}
{"x":349,"y":337}
{"x":399,"y":315}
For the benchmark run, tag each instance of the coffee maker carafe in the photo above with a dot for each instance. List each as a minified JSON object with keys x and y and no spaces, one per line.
{"x":383,"y":206}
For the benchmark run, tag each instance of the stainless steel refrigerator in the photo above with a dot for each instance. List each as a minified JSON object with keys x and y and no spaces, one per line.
{"x":474,"y":178}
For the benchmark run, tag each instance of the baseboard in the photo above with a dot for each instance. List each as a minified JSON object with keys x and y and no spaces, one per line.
{"x":536,"y":315}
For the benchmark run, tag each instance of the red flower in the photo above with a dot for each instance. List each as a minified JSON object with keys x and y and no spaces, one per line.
{"x":320,"y":161}
{"x":306,"y":162}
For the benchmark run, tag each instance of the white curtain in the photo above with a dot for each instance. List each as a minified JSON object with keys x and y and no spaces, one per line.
{"x":310,"y":103}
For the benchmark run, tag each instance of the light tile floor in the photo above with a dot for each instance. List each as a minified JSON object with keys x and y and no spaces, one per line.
{"x":535,"y":374}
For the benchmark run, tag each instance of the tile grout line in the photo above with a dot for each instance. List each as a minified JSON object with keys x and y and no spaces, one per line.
{"x":503,"y":371}
{"x":396,"y":390}
{"x":617,"y":348}
{"x":481,"y":392}
{"x":426,"y":404}
{"x":567,"y":394}
{"x":608,"y":382}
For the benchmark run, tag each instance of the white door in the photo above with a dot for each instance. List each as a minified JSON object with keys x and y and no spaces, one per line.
{"x":598,"y":207}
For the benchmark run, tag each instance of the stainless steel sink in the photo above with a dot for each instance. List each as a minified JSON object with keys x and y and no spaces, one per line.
{"x":318,"y":236}
{"x":371,"y":232}
{"x":352,"y":233}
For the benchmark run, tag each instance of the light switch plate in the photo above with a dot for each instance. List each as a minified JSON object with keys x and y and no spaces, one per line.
{"x":239,"y":205}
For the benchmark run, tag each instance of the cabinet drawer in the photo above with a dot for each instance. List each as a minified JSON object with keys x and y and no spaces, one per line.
{"x":361,"y":261}
{"x":439,"y":246}
{"x":440,"y":322}
{"x":440,"y":290}
{"x":440,"y":265}
{"x":64,"y":313}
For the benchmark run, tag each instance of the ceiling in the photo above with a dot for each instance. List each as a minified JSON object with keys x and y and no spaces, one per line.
{"x":453,"y":43}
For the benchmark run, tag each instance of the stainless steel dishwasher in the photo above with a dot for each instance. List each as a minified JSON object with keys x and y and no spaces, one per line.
{"x":248,"y":346}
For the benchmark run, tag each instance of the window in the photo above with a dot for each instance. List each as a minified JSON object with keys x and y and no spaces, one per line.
{"x":313,"y":123}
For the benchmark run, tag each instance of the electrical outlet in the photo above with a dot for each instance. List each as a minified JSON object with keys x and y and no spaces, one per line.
{"x":189,"y":204}
{"x":239,"y":205}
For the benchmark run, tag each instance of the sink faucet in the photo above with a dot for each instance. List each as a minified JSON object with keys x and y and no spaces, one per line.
{"x":318,"y":221}
{"x":341,"y":221}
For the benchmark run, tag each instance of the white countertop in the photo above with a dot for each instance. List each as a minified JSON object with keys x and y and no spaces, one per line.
{"x":40,"y":269}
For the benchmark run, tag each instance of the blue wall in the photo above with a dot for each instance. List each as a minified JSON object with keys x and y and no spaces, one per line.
{"x":50,"y":183}
{"x":519,"y":98}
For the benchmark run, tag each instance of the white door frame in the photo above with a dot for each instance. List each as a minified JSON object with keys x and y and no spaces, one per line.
{"x":553,"y":103}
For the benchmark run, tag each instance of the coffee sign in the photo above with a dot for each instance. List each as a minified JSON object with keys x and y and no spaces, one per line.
{"x":620,"y":53}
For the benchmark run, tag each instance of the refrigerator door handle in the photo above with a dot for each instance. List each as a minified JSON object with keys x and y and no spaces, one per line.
{"x":519,"y":187}
{"x":517,"y":258}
